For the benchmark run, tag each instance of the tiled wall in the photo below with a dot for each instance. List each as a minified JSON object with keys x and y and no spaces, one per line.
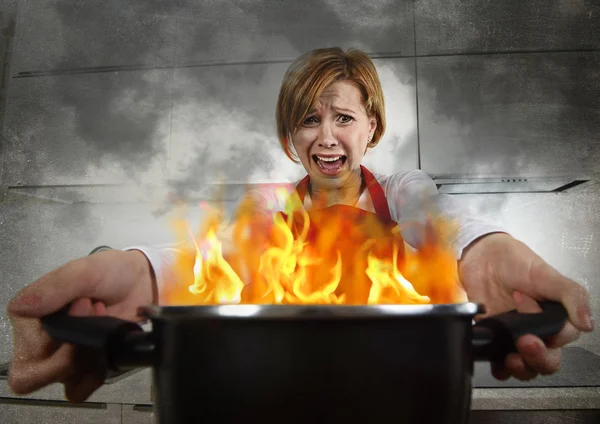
{"x":165,"y":96}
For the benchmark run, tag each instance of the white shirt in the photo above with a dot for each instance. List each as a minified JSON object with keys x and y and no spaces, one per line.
{"x":410,"y":195}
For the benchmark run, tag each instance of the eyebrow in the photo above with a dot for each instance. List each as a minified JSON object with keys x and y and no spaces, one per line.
{"x":337,"y":109}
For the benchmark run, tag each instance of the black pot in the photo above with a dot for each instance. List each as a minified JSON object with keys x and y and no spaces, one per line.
{"x":309,"y":364}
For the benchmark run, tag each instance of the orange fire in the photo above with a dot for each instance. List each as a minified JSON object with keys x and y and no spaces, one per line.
{"x":337,"y":255}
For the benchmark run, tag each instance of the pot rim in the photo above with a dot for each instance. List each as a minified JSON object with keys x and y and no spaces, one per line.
{"x":296,"y":312}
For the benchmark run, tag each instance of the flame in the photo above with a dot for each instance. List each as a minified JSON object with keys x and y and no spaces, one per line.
{"x":337,"y":255}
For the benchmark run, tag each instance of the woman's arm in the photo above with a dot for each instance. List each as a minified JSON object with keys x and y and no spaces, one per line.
{"x":415,"y":195}
{"x":501,"y":273}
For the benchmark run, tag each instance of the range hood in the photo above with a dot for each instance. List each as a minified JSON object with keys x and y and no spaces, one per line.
{"x":496,"y":185}
{"x":472,"y":166}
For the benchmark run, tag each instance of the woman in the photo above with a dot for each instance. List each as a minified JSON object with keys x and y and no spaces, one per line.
{"x":329,"y":112}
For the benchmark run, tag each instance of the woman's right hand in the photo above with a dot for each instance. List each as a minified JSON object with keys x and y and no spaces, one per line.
{"x":111,"y":283}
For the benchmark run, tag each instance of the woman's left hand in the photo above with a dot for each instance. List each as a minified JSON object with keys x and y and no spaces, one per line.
{"x":503,"y":274}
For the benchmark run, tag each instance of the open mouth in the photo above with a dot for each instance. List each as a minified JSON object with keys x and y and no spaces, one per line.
{"x":329,"y":164}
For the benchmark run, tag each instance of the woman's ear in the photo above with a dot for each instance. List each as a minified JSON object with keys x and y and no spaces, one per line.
{"x":372,"y":124}
{"x":372,"y":128}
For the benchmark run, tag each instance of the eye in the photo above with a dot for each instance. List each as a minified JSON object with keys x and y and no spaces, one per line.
{"x":311,"y":120}
{"x":346,"y":119}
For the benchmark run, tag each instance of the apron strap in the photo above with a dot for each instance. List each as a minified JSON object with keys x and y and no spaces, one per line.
{"x":302,"y":188}
{"x":375,"y":191}
{"x":377,"y":194}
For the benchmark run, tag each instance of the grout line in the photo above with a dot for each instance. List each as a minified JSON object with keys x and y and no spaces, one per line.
{"x":52,"y":403}
{"x":390,"y":55}
{"x":35,"y":186}
{"x":509,"y":52}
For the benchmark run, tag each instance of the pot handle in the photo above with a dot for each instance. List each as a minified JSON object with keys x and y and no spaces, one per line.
{"x":496,"y":336}
{"x":124,"y":344}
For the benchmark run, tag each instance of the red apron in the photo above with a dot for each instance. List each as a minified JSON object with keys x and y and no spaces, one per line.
{"x":348,"y":229}
{"x":375,"y":190}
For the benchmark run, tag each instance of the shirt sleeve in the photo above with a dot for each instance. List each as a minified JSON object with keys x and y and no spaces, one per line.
{"x":412,"y":195}
{"x":162,"y":259}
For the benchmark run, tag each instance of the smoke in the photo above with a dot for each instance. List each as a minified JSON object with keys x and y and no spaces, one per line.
{"x":238,"y":140}
{"x":398,"y":149}
{"x":224,"y":117}
{"x":222,"y":129}
{"x":523,"y":113}
{"x":253,"y":30}
{"x":188,"y":125}
{"x":456,"y":26}
{"x":526,"y":114}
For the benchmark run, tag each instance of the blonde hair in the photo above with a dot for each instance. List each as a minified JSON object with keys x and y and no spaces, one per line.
{"x":310,"y":74}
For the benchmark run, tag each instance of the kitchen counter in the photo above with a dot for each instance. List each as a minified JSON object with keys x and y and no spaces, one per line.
{"x":134,"y":388}
{"x":575,"y":387}
{"x":107,"y":405}
{"x":531,"y":398}
{"x":536,"y":398}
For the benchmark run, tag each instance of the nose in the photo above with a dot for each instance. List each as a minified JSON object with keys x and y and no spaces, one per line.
{"x":327,"y":139}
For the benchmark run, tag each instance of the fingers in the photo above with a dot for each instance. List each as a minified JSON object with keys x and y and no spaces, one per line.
{"x":99,"y":309}
{"x":80,"y":389}
{"x":109,"y":276}
{"x":500,"y":372}
{"x":90,"y":372}
{"x":550,"y":284}
{"x":516,"y":367}
{"x":32,"y":369}
{"x":567,"y":335}
{"x":536,"y":356}
{"x":516,"y":364}
{"x":56,"y":289}
{"x":37,"y":360}
{"x":27,"y":376}
{"x":526,"y":304}
{"x":81,"y":307}
{"x":116,"y":278}
{"x":90,"y":375}
{"x":533,"y":357}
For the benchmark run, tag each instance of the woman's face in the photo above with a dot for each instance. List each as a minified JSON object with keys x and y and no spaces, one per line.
{"x":333,"y":137}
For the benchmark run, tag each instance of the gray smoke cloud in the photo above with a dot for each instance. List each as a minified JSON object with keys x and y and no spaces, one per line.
{"x":233,"y":106}
{"x":520,"y":114}
{"x":132,"y":125}
{"x":509,"y":115}
{"x":456,"y":26}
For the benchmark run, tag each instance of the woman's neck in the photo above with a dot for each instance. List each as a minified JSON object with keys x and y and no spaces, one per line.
{"x":347,"y":194}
